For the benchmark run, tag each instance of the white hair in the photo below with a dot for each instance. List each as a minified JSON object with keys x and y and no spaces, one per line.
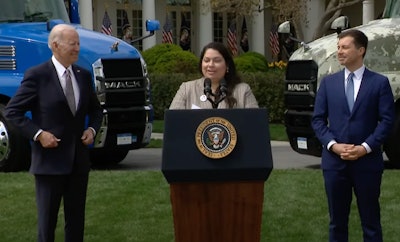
{"x":56,"y":34}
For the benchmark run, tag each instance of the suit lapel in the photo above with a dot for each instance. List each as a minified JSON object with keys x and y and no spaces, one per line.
{"x":79,"y":80}
{"x":364,"y":89}
{"x":341,"y":90}
{"x":54,"y":76}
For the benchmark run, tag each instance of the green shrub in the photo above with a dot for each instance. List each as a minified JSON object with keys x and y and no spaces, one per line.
{"x":268,"y":88}
{"x":152,"y":54}
{"x":179,"y":61}
{"x":251,"y":62}
{"x":163,"y":89}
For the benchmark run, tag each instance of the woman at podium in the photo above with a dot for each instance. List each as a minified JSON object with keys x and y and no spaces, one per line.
{"x":219,"y":87}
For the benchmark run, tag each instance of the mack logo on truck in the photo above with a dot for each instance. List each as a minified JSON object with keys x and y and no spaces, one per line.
{"x":302,"y":87}
{"x":123,"y":85}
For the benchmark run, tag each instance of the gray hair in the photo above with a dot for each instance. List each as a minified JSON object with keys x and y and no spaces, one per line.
{"x":56,"y":33}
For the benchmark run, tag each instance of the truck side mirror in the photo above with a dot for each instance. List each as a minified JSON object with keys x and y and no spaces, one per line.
{"x":284,"y":28}
{"x":340,"y":24}
{"x":151,"y":26}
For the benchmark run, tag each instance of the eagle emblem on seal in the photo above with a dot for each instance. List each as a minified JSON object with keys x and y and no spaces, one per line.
{"x":216,"y":137}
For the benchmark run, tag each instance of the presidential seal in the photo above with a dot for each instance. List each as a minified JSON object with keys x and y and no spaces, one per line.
{"x":216,"y":137}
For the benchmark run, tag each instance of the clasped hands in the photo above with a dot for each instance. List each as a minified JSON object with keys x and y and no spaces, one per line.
{"x":349,"y":151}
{"x":48,"y":140}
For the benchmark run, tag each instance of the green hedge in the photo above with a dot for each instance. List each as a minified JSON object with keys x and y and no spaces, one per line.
{"x":268,"y":87}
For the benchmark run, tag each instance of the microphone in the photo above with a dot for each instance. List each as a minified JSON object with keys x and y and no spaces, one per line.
{"x":223,"y":88}
{"x":208,"y":91}
{"x":207,"y":87}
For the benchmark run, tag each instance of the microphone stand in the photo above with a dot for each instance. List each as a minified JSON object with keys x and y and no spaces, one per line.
{"x":218,"y":98}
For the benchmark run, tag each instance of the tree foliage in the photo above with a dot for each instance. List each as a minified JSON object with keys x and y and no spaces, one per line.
{"x":332,"y":11}
{"x":237,"y":7}
{"x":295,"y":11}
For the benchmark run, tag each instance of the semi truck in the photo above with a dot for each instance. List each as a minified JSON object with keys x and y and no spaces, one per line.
{"x":313,"y":61}
{"x":119,"y":74}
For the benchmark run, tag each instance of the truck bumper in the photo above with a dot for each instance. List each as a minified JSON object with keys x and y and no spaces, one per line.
{"x":300,"y":133}
{"x":126,"y":128}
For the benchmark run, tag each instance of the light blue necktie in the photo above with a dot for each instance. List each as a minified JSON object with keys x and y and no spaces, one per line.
{"x":350,"y":91}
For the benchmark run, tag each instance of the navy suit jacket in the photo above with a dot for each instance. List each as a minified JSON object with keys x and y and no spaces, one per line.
{"x":370,"y":120}
{"x":41,"y":94}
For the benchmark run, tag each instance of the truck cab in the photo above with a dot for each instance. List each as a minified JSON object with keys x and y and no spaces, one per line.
{"x":119,"y":75}
{"x":313,"y":61}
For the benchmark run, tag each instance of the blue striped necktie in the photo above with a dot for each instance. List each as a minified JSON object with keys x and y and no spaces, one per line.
{"x":350,"y":91}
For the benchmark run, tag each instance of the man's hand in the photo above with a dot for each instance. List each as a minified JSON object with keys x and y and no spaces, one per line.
{"x":349,"y":151}
{"x":48,"y":140}
{"x":87,"y":137}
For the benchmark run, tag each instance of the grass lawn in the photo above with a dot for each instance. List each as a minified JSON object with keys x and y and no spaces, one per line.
{"x":135,"y":206}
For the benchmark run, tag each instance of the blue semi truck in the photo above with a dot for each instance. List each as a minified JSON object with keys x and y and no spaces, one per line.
{"x":119,"y":73}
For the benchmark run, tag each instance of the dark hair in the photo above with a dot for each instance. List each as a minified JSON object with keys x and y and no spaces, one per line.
{"x":359,"y":38}
{"x":231,"y":76}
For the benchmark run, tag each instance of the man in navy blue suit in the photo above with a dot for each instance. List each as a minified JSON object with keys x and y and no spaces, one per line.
{"x":59,"y":95}
{"x":352,"y":132}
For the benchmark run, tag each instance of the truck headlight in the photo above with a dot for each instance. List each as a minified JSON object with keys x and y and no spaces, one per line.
{"x":99,"y":81}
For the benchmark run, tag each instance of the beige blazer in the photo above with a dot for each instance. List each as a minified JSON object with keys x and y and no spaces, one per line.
{"x":189,"y":95}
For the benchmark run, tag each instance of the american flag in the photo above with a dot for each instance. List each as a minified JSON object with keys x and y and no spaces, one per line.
{"x":232,"y":40}
{"x":167,"y":32}
{"x":106,"y":26}
{"x":274,"y":40}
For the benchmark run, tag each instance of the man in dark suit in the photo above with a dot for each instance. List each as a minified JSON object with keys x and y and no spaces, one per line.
{"x":60,"y":156}
{"x":352,"y":132}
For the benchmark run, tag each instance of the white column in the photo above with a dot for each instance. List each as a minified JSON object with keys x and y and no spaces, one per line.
{"x":205,"y":24}
{"x":368,"y":11}
{"x":149,"y":12}
{"x":315,"y":9}
{"x":86,"y":14}
{"x":258,"y":32}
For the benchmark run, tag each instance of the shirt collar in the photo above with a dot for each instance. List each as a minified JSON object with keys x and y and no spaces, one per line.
{"x":357,"y":73}
{"x":59,"y":67}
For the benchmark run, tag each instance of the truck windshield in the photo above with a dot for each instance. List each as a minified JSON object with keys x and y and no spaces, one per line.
{"x":33,"y":11}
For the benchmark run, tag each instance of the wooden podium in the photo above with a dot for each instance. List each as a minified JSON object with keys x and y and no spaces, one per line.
{"x":217,"y":195}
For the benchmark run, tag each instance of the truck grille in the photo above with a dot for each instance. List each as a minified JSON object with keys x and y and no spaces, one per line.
{"x":8,"y":63}
{"x":125,"y":84}
{"x":300,"y":84}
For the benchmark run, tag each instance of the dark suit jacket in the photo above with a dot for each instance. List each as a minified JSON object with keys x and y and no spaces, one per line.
{"x":41,"y":94}
{"x":370,"y":120}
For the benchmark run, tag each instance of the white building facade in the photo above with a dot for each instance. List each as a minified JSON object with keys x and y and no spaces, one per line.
{"x":204,"y":25}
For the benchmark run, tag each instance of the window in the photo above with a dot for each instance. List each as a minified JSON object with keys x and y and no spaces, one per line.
{"x":218,"y":27}
{"x":137,"y":28}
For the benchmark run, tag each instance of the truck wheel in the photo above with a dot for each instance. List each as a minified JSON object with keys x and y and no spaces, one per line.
{"x":14,"y":149}
{"x":392,"y":145}
{"x":107,"y":156}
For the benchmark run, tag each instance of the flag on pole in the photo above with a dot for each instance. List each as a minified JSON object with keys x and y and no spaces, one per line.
{"x":106,"y":25}
{"x":167,"y":32}
{"x":232,"y":39}
{"x":126,"y":28}
{"x":244,"y":40}
{"x":184,"y":40}
{"x":125,"y":21}
{"x":274,"y":40}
